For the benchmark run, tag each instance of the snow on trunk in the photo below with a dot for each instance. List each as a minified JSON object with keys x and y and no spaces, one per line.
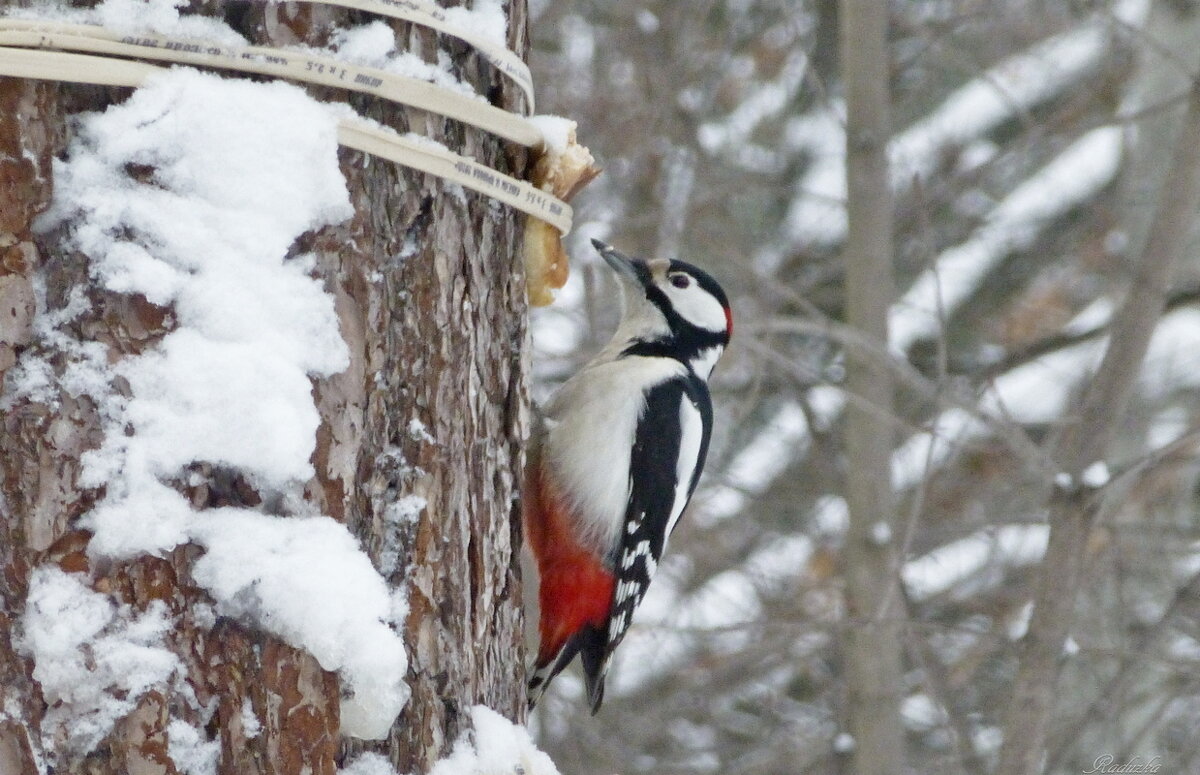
{"x":264,"y":403}
{"x":240,"y":171}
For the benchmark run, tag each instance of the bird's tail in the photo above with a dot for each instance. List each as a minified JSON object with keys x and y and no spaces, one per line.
{"x":545,"y":670}
{"x":595,"y":657}
{"x":589,"y":644}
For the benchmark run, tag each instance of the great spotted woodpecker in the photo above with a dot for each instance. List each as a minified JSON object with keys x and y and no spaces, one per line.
{"x":614,"y":461}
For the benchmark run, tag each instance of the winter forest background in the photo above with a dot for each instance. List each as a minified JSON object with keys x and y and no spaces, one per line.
{"x":1002,"y":577}
{"x":1031,"y":140}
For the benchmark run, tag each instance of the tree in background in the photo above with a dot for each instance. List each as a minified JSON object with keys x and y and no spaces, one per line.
{"x":872,"y":644}
{"x":1029,"y":147}
{"x":417,"y":453}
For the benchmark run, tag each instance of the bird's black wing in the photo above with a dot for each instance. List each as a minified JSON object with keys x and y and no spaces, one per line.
{"x":669,"y":450}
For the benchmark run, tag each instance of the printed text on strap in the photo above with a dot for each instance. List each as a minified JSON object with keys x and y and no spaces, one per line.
{"x":420,"y":154}
{"x":281,"y":63}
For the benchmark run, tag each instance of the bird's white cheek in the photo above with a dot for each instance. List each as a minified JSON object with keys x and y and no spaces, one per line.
{"x":697,"y":307}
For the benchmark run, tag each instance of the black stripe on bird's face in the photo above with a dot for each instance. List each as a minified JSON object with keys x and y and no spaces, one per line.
{"x":703,"y":279}
{"x":686,"y":342}
{"x":692,"y":302}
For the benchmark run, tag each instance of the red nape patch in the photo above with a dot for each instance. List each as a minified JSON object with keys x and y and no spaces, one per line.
{"x":729,"y":321}
{"x":576,"y":589}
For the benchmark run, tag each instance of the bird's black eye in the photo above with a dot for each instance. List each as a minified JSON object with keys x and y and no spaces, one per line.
{"x":680,"y":280}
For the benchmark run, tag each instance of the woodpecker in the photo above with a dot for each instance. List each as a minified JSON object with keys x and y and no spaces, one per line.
{"x":614,"y":461}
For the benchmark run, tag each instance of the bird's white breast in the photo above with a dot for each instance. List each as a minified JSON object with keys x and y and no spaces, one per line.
{"x":590,"y":428}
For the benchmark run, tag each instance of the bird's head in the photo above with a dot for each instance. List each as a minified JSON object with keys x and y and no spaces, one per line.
{"x":672,"y":309}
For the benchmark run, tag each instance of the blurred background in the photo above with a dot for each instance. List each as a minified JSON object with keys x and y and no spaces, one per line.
{"x":1030,"y":140}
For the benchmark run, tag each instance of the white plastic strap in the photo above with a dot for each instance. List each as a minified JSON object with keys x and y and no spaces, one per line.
{"x":420,"y":154}
{"x":429,"y":15}
{"x":280,"y":63}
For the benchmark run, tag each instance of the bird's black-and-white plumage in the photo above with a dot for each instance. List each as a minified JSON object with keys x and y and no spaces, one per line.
{"x":617,"y":459}
{"x":672,"y":444}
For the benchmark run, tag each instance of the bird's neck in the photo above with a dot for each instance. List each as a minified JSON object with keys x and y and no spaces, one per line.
{"x":702,"y":363}
{"x":699,"y":355}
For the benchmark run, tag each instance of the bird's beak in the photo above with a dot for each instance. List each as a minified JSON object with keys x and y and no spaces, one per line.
{"x":632,"y":269}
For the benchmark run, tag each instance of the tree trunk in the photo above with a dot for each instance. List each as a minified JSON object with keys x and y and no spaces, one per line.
{"x":428,"y":420}
{"x":873,"y":646}
{"x":1085,"y":441}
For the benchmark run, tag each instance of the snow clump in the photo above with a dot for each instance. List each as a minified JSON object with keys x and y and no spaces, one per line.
{"x":192,"y":193}
{"x":496,"y":746}
{"x":92,"y":658}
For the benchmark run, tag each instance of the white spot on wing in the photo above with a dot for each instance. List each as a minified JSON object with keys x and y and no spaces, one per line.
{"x":626,"y":590}
{"x":631,"y":555}
{"x":620,"y":625}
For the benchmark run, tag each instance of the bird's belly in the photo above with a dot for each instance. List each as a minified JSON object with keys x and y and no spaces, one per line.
{"x":589,"y":434}
{"x":588,"y":455}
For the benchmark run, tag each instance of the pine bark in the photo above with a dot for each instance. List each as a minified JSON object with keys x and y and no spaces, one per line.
{"x":434,"y":404}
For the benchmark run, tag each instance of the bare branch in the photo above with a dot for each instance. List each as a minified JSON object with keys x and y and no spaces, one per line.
{"x":1086,"y":439}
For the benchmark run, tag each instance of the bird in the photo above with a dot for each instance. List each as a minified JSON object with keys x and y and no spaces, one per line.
{"x":614,"y":459}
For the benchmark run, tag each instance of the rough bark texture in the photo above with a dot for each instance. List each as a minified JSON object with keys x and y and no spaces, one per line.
{"x":430,"y":293}
{"x":873,"y":646}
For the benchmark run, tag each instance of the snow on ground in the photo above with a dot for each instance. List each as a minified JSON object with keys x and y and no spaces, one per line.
{"x":782,"y":439}
{"x":956,"y":566}
{"x":1007,"y":89}
{"x":764,"y":101}
{"x":817,"y":213}
{"x":1039,"y":391}
{"x":924,"y":452}
{"x":922,"y":713}
{"x":1173,"y":357}
{"x":235,"y":172}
